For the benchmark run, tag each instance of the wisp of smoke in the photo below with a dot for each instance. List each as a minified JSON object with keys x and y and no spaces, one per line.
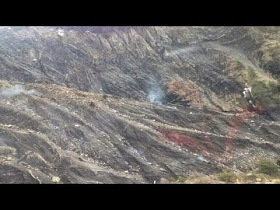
{"x":33,"y":92}
{"x":156,"y":95}
{"x":16,"y":90}
{"x":12,"y":91}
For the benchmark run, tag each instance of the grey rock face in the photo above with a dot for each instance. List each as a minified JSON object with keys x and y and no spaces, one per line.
{"x":128,"y":104}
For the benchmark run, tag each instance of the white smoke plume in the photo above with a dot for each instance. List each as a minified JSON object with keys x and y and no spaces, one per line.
{"x":156,"y":95}
{"x":16,"y":90}
{"x":11,"y":91}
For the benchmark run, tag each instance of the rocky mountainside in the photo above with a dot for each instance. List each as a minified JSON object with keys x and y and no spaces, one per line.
{"x":136,"y":104}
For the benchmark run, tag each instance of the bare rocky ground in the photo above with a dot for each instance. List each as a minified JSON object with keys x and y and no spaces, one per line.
{"x":131,"y":104}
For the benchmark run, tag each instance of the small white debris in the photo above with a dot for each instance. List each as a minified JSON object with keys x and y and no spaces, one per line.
{"x":247,"y":91}
{"x":77,"y":125}
{"x":202,"y":159}
{"x":55,"y":179}
{"x":155,"y":181}
{"x":8,"y":159}
{"x":60,"y":32}
{"x":190,"y":112}
{"x":126,"y":172}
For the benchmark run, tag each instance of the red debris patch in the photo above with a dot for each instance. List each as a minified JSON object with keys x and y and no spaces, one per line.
{"x":189,"y":142}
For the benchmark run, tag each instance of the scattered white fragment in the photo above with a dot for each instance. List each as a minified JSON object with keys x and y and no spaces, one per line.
{"x":247,"y":91}
{"x":77,"y":125}
{"x":55,"y":179}
{"x":155,"y":181}
{"x":60,"y":32}
{"x":202,"y":159}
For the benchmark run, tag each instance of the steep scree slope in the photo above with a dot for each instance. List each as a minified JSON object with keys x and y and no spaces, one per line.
{"x":131,"y":104}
